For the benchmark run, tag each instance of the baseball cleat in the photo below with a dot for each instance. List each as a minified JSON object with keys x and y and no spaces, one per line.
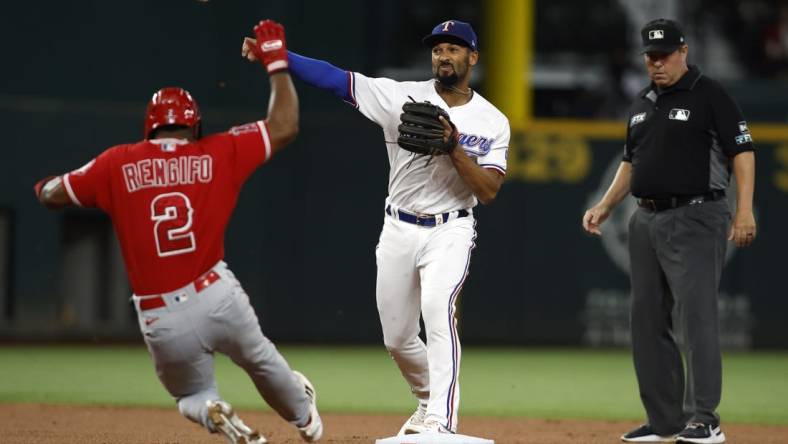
{"x":313,"y":429}
{"x":645,"y":433}
{"x":433,"y":426}
{"x":701,"y":434}
{"x":414,"y":424}
{"x":227,"y":423}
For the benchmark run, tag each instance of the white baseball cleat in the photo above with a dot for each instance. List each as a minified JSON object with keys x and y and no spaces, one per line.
{"x":230,"y":425}
{"x":433,"y":426}
{"x":414,"y":424}
{"x":313,"y":430}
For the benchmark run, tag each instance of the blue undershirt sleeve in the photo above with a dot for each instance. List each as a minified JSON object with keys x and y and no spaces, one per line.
{"x":322,"y":75}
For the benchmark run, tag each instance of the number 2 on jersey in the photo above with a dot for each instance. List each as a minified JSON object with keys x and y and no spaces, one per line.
{"x":172,"y":213}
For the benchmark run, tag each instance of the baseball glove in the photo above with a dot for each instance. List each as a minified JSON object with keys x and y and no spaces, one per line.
{"x":421,"y":132}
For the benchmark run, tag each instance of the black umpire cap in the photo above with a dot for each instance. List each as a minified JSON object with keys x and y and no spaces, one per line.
{"x":662,"y":35}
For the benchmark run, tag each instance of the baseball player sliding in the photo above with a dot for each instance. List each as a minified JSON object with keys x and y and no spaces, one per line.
{"x":170,"y":197}
{"x":429,"y":229}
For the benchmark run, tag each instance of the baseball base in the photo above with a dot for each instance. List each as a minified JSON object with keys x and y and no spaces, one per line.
{"x":434,"y":438}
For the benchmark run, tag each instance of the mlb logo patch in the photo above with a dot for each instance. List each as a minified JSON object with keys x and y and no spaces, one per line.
{"x":679,"y":114}
{"x":743,"y":127}
{"x":637,"y":118}
{"x":168,"y":147}
{"x":743,"y":138}
{"x":656,"y":34}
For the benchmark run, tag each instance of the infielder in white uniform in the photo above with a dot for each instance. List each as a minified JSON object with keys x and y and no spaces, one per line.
{"x":429,"y":229}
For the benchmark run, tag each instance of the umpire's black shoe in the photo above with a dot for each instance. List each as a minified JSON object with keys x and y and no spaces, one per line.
{"x":645,"y":433}
{"x":701,"y":433}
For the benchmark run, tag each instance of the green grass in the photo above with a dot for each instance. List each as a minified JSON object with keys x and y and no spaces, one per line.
{"x":533,"y":383}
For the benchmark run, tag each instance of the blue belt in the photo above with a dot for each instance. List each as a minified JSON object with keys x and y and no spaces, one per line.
{"x":424,"y":221}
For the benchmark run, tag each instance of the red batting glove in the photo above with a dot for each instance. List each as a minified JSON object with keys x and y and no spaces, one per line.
{"x":270,"y":48}
{"x":40,"y":185}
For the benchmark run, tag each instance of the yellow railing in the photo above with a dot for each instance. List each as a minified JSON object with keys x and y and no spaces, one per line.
{"x":615,"y":129}
{"x":562,"y":151}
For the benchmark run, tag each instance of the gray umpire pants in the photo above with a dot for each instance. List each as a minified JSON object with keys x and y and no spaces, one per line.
{"x":676,"y":261}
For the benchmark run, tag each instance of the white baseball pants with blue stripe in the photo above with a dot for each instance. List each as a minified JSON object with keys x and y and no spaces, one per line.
{"x":420,"y":273}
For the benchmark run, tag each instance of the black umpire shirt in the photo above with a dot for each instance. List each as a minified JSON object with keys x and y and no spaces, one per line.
{"x":681,"y":140}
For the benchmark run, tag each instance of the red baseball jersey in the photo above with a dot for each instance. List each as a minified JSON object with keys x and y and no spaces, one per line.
{"x":170,"y":200}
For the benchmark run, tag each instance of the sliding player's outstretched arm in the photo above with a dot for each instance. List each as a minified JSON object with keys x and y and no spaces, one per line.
{"x":270,"y":49}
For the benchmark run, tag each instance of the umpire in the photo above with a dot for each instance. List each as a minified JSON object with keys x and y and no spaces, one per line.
{"x":685,"y":134}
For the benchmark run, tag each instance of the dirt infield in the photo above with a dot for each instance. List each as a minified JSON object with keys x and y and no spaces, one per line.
{"x":44,"y":424}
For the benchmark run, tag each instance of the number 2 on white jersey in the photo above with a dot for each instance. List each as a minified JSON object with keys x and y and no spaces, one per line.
{"x":172,"y":213}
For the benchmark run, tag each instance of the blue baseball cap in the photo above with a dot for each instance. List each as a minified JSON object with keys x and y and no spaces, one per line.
{"x":452,"y":31}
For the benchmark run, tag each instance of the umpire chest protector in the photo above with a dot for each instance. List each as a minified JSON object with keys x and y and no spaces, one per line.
{"x":680,"y":139}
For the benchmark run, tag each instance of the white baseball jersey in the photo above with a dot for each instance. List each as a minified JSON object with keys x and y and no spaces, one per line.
{"x":436,"y":188}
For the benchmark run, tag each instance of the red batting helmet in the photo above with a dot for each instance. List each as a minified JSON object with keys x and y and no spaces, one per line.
{"x":172,"y":106}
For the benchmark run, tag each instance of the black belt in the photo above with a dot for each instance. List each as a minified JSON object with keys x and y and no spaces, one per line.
{"x":424,"y":221}
{"x":679,"y":201}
